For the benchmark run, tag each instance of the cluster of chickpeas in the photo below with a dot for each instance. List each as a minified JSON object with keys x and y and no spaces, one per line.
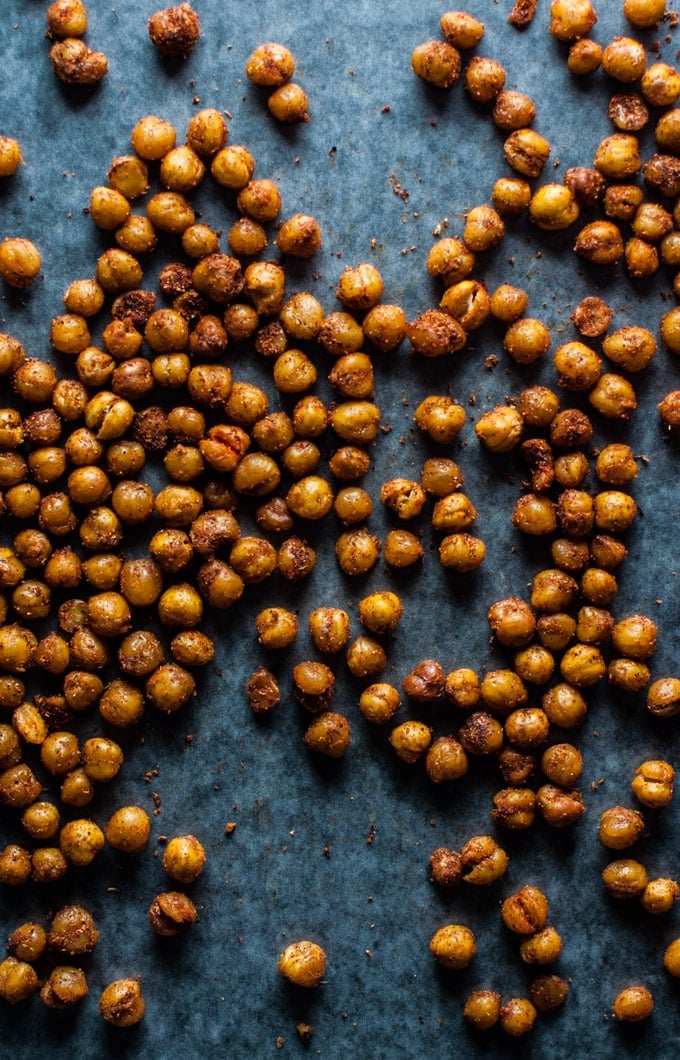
{"x":271,"y":66}
{"x":524,"y":913}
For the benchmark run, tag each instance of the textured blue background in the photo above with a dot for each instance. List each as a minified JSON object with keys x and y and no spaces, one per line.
{"x":216,"y":991}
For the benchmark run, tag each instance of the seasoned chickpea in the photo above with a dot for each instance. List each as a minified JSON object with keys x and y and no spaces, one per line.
{"x":484,"y":227}
{"x":276,"y":627}
{"x":513,"y":110}
{"x":435,"y":334}
{"x":380,"y":612}
{"x":453,"y":946}
{"x":481,"y":734}
{"x":600,"y":242}
{"x":660,"y":895}
{"x":121,"y":1002}
{"x":625,"y":879}
{"x":18,"y":980}
{"x":233,"y":167}
{"x":20,"y":262}
{"x":526,"y":911}
{"x":366,"y":657}
{"x":512,"y":622}
{"x":500,"y":429}
{"x":620,"y":827}
{"x":329,"y":628}
{"x":15,"y":865}
{"x":517,"y":767}
{"x":303,"y":963}
{"x":450,"y":259}
{"x":484,"y":861}
{"x":514,"y":808}
{"x":385,"y":327}
{"x":484,"y":79}
{"x":671,"y":958}
{"x":436,"y":62}
{"x":184,"y":859}
{"x":270,"y":65}
{"x":511,"y":197}
{"x":411,"y":740}
{"x":328,"y":734}
{"x":10,"y":156}
{"x":379,"y":703}
{"x":128,"y":829}
{"x":527,"y":152}
{"x":635,"y":637}
{"x":171,"y":912}
{"x":558,"y":807}
{"x":295,"y":559}
{"x":633,"y":1004}
{"x":27,"y":942}
{"x":534,"y":664}
{"x":289,"y":103}
{"x":482,"y":1009}
{"x":461,"y":29}
{"x":652,"y":784}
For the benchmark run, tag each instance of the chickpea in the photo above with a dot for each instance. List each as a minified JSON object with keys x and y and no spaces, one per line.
{"x":174,"y":31}
{"x":514,"y":808}
{"x":511,"y":197}
{"x":435,"y":334}
{"x":171,"y":912}
{"x":600,"y":242}
{"x":461,"y":29}
{"x":121,"y":704}
{"x":289,"y":104}
{"x":80,"y":841}
{"x":453,"y":946}
{"x":484,"y":861}
{"x":671,"y":958}
{"x":484,"y":79}
{"x":352,"y":505}
{"x":121,"y":1002}
{"x":263,"y":691}
{"x":329,"y":628}
{"x":462,"y":688}
{"x":526,"y":911}
{"x":628,"y":675}
{"x":481,"y":734}
{"x":527,"y":152}
{"x":411,"y":740}
{"x":27,"y":942}
{"x":659,"y":896}
{"x":500,"y":429}
{"x":584,"y":57}
{"x":553,"y":590}
{"x":15,"y":865}
{"x":328,"y":734}
{"x":446,"y":867}
{"x":559,"y":808}
{"x":512,"y":622}
{"x":294,"y":372}
{"x":482,"y":1009}
{"x":625,"y":879}
{"x":184,"y":859}
{"x":652,"y":784}
{"x":484,"y":227}
{"x":633,"y":1004}
{"x":20,"y":262}
{"x":276,"y":627}
{"x":635,"y":637}
{"x":379,"y":703}
{"x":303,"y":963}
{"x":451,"y":260}
{"x":10,"y":156}
{"x":270,"y":65}
{"x":436,"y":62}
{"x":19,"y":786}
{"x":445,"y":760}
{"x":534,"y":664}
{"x":385,"y":327}
{"x":295,"y":559}
{"x":517,"y":1016}
{"x":620,"y":827}
{"x":128,"y":829}
{"x":365,"y":657}
{"x":302,"y":316}
{"x":513,"y":110}
{"x":18,"y":980}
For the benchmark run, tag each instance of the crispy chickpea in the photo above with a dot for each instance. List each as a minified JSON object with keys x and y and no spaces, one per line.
{"x":514,"y":808}
{"x":633,"y":1004}
{"x":313,"y":685}
{"x":352,"y":505}
{"x":18,"y":980}
{"x":525,"y":912}
{"x":276,"y":627}
{"x":27,"y":942}
{"x":295,"y":559}
{"x":659,"y":896}
{"x":20,"y":262}
{"x":484,"y":227}
{"x":270,"y":65}
{"x":41,"y":820}
{"x":652,"y":784}
{"x":512,"y":622}
{"x":171,"y":912}
{"x":453,"y":946}
{"x":379,"y":703}
{"x":435,"y":334}
{"x":184,"y":859}
{"x":380,"y":612}
{"x":625,"y":879}
{"x":511,"y":197}
{"x":128,"y":829}
{"x":65,"y":987}
{"x":558,"y":807}
{"x":19,"y":786}
{"x":584,"y":57}
{"x":436,"y":62}
{"x":174,"y":31}
{"x":517,"y":1016}
{"x":446,"y":867}
{"x":121,"y":1002}
{"x":484,"y":79}
{"x":80,"y":841}
{"x":445,"y":760}
{"x":482,"y":1009}
{"x":385,"y":327}
{"x":303,"y":964}
{"x":263,"y":691}
{"x":15,"y":865}
{"x":527,"y":152}
{"x":635,"y":637}
{"x":499,"y":430}
{"x":481,"y":734}
{"x":366,"y":657}
{"x":60,"y":752}
{"x":328,"y":734}
{"x":10,"y":156}
{"x":329,"y":628}
{"x":461,"y":29}
{"x":233,"y":167}
{"x":553,"y":590}
{"x":410,"y":740}
{"x":628,"y":675}
{"x":671,"y":958}
{"x":600,"y":242}
{"x":289,"y":104}
{"x":620,"y":827}
{"x":484,"y":861}
{"x":121,"y":704}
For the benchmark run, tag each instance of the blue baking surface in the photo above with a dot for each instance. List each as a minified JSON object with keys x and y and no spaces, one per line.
{"x":339,"y":852}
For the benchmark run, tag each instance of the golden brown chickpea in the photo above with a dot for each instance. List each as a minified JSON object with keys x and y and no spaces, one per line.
{"x":184,"y":859}
{"x":625,"y":879}
{"x":170,"y":211}
{"x":233,"y":167}
{"x":207,"y":132}
{"x":121,"y":1002}
{"x":534,"y":664}
{"x":80,"y":841}
{"x":620,"y":827}
{"x":425,"y":682}
{"x":512,"y":622}
{"x":435,"y":334}
{"x":303,"y":963}
{"x":484,"y":227}
{"x":513,"y":110}
{"x":65,"y":987}
{"x":527,"y":152}
{"x":76,"y":790}
{"x":445,"y":760}
{"x":511,"y":197}
{"x":600,"y":242}
{"x":635,"y":637}
{"x":60,"y":752}
{"x":653,"y":783}
{"x":461,"y":553}
{"x":19,"y":786}
{"x":484,"y":861}
{"x":499,"y":430}
{"x":128,"y":829}
{"x":10,"y":156}
{"x":329,"y":628}
{"x":644,"y":14}
{"x":263,"y":691}
{"x":633,"y":1004}
{"x":575,"y":511}
{"x":525,"y":912}
{"x":410,"y":740}
{"x":18,"y":980}
{"x":276,"y":627}
{"x":313,"y":685}
{"x":628,"y":675}
{"x":121,"y":704}
{"x":502,"y":691}
{"x":559,"y":808}
{"x":659,"y":896}
{"x":613,"y":397}
{"x":484,"y":79}
{"x":440,"y":418}
{"x":527,"y":727}
{"x":352,"y":505}
{"x":462,"y":688}
{"x":171,"y":912}
{"x":27,"y":942}
{"x":15,"y":865}
{"x":289,"y":103}
{"x":514,"y":808}
{"x":365,"y":657}
{"x":517,"y":1016}
{"x":482,"y":1009}
{"x":671,"y":958}
{"x":385,"y":327}
{"x":328,"y":734}
{"x":553,"y":590}
{"x":571,"y":19}
{"x":260,"y":200}
{"x":453,"y":946}
{"x":270,"y":65}
{"x":436,"y":62}
{"x":379,"y":703}
{"x":294,"y":372}
{"x":381,"y":612}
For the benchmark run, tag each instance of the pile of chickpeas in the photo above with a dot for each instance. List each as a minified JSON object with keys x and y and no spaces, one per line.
{"x":155,"y":391}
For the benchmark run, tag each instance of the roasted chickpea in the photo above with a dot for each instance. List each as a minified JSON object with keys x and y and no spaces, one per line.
{"x":620,"y":827}
{"x":436,"y":62}
{"x":184,"y":859}
{"x":366,"y":657}
{"x":435,"y":334}
{"x":558,"y":807}
{"x":526,"y":911}
{"x":484,"y":227}
{"x":121,"y":1002}
{"x":18,"y":980}
{"x":633,"y":1004}
{"x":329,"y":628}
{"x":128,"y":829}
{"x":276,"y":627}
{"x":453,"y":946}
{"x":328,"y":734}
{"x":484,"y":861}
{"x":303,"y":963}
{"x":481,"y":734}
{"x":482,"y":1009}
